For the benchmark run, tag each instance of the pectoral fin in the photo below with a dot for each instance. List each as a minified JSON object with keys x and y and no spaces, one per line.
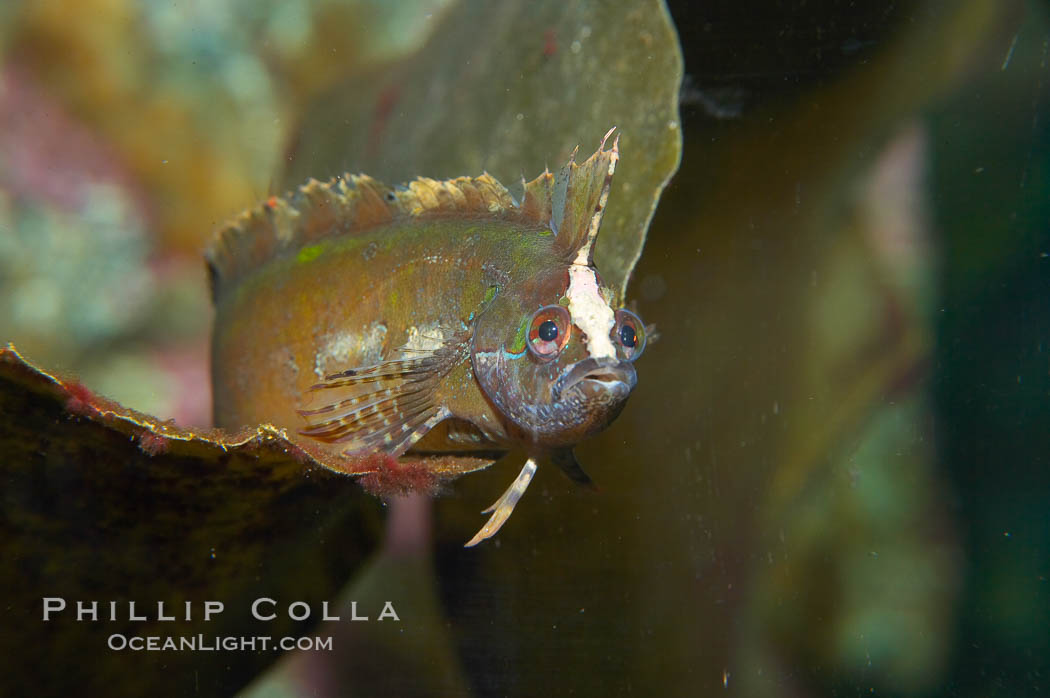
{"x":386,"y":407}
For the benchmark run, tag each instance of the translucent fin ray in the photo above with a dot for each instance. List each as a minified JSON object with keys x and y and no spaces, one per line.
{"x":503,"y":507}
{"x":384,"y":407}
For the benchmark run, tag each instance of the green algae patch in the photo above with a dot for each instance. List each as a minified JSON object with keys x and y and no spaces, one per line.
{"x":309,"y":254}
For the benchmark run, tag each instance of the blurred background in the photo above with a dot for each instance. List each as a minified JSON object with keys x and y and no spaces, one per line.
{"x":833,"y":477}
{"x":130,"y":131}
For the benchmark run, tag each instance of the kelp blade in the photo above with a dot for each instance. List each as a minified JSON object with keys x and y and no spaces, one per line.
{"x":510,"y":88}
{"x":103,"y":504}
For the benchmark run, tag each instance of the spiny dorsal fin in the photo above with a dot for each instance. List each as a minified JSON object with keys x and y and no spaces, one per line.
{"x":574,"y":200}
{"x":570,"y":203}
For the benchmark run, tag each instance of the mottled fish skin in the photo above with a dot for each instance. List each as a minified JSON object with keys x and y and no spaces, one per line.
{"x":438,"y":319}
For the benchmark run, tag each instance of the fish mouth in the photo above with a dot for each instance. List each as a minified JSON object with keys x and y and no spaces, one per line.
{"x":605,"y":379}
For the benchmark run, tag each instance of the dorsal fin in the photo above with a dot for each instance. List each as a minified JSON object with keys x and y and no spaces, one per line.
{"x":574,"y":200}
{"x":570,"y":203}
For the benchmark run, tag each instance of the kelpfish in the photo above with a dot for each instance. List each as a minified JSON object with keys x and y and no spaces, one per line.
{"x":440,"y":323}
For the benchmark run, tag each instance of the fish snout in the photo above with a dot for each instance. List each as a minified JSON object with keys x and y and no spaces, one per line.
{"x":607,"y":380}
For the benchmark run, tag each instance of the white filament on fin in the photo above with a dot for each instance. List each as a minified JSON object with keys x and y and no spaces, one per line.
{"x":585,"y":255}
{"x":589,"y":310}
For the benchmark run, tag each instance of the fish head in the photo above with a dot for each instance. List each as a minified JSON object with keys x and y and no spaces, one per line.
{"x":555,"y":358}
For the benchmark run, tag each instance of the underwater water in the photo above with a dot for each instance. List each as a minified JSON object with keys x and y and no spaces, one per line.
{"x":831,"y":478}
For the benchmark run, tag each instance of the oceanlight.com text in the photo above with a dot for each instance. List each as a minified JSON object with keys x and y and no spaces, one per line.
{"x":211,"y":643}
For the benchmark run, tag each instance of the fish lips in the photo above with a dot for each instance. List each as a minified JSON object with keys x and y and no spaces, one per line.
{"x":600,"y":380}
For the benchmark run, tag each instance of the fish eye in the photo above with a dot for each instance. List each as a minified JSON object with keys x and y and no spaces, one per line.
{"x":549,"y":332}
{"x":628,"y":335}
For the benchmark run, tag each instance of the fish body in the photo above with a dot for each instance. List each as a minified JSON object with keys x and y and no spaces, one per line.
{"x":360,"y":300}
{"x":442,"y":322}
